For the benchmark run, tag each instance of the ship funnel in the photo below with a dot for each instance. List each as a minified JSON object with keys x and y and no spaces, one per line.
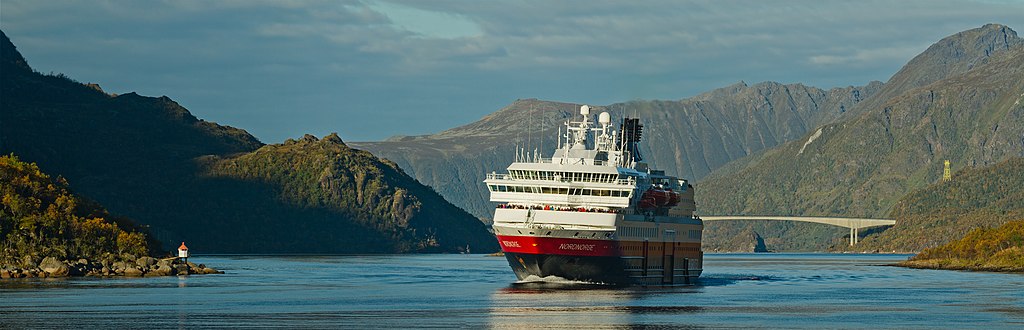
{"x":604,"y":118}
{"x":585,"y":110}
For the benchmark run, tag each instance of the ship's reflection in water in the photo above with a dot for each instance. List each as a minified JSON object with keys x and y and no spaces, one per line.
{"x":562,"y":304}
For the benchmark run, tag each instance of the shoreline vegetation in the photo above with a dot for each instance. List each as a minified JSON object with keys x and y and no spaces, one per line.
{"x":48,"y":231}
{"x":998,"y":249}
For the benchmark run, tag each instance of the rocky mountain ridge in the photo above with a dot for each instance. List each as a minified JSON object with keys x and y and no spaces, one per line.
{"x":689,"y":137}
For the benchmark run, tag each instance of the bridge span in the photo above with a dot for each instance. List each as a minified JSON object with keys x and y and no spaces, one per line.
{"x":855,"y":224}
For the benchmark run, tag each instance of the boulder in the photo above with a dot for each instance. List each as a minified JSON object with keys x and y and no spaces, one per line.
{"x":54,"y":267}
{"x":181,"y":269}
{"x":211,"y":271}
{"x":83,"y":261}
{"x":132,"y":271}
{"x":146,"y":261}
{"x":105,"y":271}
{"x":5,"y":273}
{"x":118,"y":266}
{"x":164,"y":270}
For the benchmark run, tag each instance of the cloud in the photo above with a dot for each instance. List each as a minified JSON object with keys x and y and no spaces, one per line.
{"x":859,"y":56}
{"x":370,"y":69}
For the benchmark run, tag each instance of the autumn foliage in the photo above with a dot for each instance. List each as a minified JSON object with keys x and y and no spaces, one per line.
{"x":40,"y":217}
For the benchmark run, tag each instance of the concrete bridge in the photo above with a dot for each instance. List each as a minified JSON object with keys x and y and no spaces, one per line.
{"x":855,"y":224}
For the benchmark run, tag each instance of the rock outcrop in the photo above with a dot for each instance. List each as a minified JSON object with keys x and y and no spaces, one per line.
{"x":145,"y":266}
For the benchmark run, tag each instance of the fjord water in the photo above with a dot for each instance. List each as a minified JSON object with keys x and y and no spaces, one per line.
{"x":475,"y":291}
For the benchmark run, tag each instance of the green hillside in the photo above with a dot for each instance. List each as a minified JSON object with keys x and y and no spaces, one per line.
{"x":40,"y":217}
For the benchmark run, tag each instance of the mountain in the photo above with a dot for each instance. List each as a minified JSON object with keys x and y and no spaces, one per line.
{"x":950,"y":56}
{"x":968,"y":111}
{"x":689,"y":137}
{"x":151,"y":160}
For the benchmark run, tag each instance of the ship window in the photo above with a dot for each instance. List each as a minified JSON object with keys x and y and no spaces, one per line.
{"x":587,"y":192}
{"x":563,"y":191}
{"x":546,"y":190}
{"x":491,"y":188}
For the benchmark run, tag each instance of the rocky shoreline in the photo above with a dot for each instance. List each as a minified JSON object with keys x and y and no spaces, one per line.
{"x":135,"y":267}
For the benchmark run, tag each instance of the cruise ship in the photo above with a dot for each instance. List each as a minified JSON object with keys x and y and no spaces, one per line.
{"x":595,"y":212}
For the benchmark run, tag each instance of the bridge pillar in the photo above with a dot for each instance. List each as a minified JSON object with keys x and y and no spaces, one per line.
{"x":853,"y":235}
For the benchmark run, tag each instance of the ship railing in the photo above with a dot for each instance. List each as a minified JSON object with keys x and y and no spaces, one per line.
{"x":498,"y":176}
{"x":573,"y":161}
{"x":508,"y":177}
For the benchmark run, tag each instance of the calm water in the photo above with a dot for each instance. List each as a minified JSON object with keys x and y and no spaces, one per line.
{"x":473,"y":291}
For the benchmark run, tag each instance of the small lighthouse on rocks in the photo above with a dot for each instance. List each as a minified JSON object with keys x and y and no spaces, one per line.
{"x":183,"y":251}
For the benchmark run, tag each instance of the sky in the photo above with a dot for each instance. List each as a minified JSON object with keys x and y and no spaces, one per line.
{"x":373,"y":69}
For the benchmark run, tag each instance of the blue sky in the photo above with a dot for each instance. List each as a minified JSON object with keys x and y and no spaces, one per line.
{"x":372,"y":69}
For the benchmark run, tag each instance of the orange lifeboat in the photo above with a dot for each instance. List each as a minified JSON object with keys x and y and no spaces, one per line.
{"x":660,"y":196}
{"x":673,"y":198}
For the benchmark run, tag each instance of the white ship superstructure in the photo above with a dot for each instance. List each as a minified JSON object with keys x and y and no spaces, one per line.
{"x":594,"y":211}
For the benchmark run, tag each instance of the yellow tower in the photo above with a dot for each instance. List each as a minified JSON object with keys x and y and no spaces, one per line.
{"x":946,"y":176}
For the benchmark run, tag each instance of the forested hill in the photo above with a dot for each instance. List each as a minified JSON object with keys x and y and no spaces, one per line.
{"x":998,"y":249}
{"x":143,"y":157}
{"x":946,"y":211}
{"x":380,"y":204}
